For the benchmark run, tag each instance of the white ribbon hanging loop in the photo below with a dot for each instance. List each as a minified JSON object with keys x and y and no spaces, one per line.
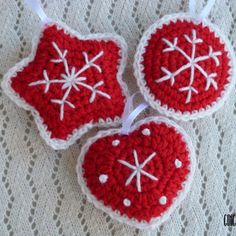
{"x":37,"y":8}
{"x":205,"y":11}
{"x":129,"y":115}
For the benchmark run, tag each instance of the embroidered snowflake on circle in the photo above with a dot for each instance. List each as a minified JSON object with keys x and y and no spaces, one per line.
{"x":185,"y":69}
{"x":70,"y":83}
{"x":192,"y":64}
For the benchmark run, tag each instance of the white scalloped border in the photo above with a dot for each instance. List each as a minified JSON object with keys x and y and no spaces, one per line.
{"x":155,"y":222}
{"x":77,"y":133}
{"x":163,"y":108}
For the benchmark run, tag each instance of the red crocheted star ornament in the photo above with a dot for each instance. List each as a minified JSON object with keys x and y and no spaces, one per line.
{"x":184,"y":68}
{"x":70,"y":83}
{"x":138,"y":179}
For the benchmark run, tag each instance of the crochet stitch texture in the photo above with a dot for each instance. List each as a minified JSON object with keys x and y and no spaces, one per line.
{"x":139,"y":178}
{"x":71,"y":83}
{"x":185,"y":69}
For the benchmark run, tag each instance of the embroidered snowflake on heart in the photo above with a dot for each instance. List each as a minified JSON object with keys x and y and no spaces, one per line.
{"x":138,"y":185}
{"x":193,"y":64}
{"x":71,"y":79}
{"x":138,"y":170}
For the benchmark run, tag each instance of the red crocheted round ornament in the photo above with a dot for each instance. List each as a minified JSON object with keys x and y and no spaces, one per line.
{"x":186,"y":67}
{"x":70,"y":82}
{"x":140,"y":175}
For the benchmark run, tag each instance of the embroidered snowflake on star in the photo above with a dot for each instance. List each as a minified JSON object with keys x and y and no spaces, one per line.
{"x":71,"y":79}
{"x":138,"y":170}
{"x":70,"y":83}
{"x":192,"y":65}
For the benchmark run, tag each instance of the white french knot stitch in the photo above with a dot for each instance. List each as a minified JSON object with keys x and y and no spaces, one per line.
{"x":154,"y":222}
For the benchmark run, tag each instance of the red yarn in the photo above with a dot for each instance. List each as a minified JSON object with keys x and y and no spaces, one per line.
{"x":155,"y":59}
{"x":84,"y":112}
{"x":102,"y":159}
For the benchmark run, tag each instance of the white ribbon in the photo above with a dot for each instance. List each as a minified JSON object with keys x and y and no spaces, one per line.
{"x":35,"y":5}
{"x":205,"y":11}
{"x":129,"y":114}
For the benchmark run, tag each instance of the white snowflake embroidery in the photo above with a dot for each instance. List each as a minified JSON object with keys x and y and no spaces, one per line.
{"x":138,"y":170}
{"x":71,"y":79}
{"x":192,"y":65}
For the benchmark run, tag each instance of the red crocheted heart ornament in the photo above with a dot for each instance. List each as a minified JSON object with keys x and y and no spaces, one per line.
{"x":70,"y":83}
{"x":184,"y":68}
{"x":138,"y":179}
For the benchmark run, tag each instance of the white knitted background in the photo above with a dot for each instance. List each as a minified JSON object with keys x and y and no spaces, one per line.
{"x":39,"y":194}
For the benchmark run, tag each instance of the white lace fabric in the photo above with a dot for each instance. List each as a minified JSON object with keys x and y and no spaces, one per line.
{"x":39,"y":190}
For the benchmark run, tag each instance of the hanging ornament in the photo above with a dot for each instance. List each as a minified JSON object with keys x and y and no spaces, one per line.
{"x":185,"y":66}
{"x":70,"y":82}
{"x":137,"y":174}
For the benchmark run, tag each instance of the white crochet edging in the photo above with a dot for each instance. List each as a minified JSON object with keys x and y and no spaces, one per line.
{"x":56,"y":143}
{"x":163,"y":108}
{"x":155,"y":222}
